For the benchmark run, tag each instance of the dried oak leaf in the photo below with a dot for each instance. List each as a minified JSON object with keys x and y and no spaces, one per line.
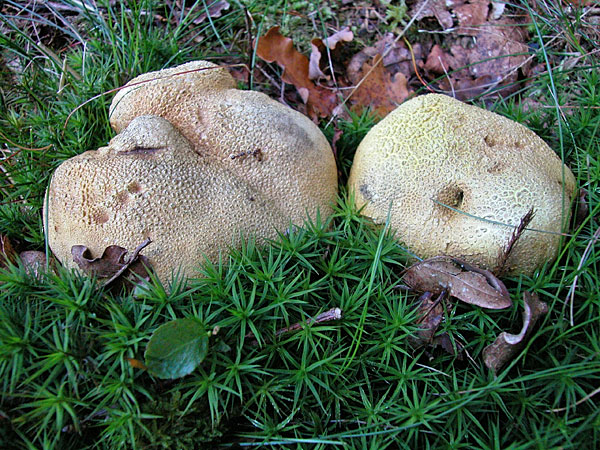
{"x":465,"y":282}
{"x":431,"y":314}
{"x":318,"y":47}
{"x":375,"y":86}
{"x":506,"y":345}
{"x":7,"y":253}
{"x":114,"y":265}
{"x":471,"y":15}
{"x":274,"y":47}
{"x":434,"y":8}
{"x":213,"y":10}
{"x":492,"y":63}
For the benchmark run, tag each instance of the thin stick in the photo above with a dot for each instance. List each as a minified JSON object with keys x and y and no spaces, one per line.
{"x":332,"y":314}
{"x":578,"y":402}
{"x":496,"y":222}
{"x":414,"y":62}
{"x":327,"y":316}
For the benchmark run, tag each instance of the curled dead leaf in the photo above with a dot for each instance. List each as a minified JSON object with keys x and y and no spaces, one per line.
{"x":114,"y":264}
{"x":431,"y":313}
{"x":462,"y":280}
{"x":318,"y":46}
{"x":506,"y":345}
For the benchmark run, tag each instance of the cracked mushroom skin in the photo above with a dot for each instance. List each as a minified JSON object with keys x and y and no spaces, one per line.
{"x":150,"y":183}
{"x":448,"y":174}
{"x":274,"y":149}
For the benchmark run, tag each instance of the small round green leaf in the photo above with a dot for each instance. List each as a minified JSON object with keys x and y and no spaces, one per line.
{"x":176,"y":348}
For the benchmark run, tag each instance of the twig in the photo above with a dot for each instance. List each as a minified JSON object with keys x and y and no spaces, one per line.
{"x":327,"y":316}
{"x":448,"y":77}
{"x":496,"y":222}
{"x":414,"y":62}
{"x":130,"y":260}
{"x":578,"y":402}
{"x":36,"y":149}
{"x":332,"y":314}
{"x":516,"y":234}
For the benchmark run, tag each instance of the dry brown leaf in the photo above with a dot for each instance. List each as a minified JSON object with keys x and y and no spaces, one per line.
{"x":494,"y":61}
{"x":7,"y":253}
{"x":112,"y":259}
{"x":465,"y":282}
{"x":506,"y":345}
{"x":136,"y":363}
{"x":337,"y":134}
{"x":434,"y":8}
{"x":431,"y":313}
{"x":34,"y":262}
{"x":471,"y":16}
{"x":274,"y":47}
{"x":436,"y":62}
{"x":397,"y":57}
{"x":114,"y":265}
{"x":377,"y":88}
{"x":582,"y":209}
{"x":386,"y":86}
{"x":314,"y":63}
{"x":212,"y":9}
{"x":318,"y":47}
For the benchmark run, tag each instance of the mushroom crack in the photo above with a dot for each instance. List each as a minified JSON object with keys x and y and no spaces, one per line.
{"x":142,"y":151}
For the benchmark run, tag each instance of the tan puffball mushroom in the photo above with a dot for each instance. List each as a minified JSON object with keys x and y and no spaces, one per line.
{"x":196,"y":165}
{"x":149,"y":182}
{"x":433,"y":151}
{"x":274,"y":149}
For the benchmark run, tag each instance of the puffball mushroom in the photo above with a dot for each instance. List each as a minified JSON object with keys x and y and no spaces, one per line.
{"x":449,"y":175}
{"x":271,"y":147}
{"x":196,"y":167}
